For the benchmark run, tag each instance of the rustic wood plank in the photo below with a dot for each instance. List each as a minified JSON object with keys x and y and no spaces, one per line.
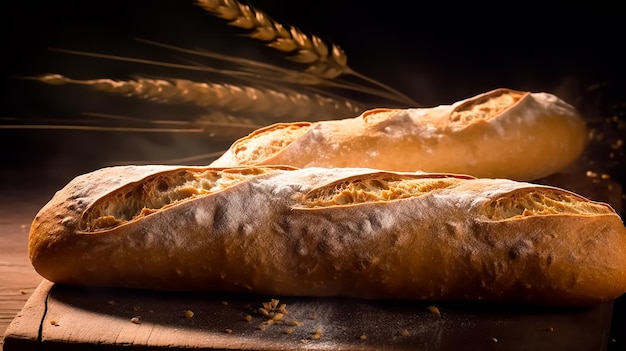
{"x":79,"y":318}
{"x":23,"y":331}
{"x":18,"y":279}
{"x":16,"y":286}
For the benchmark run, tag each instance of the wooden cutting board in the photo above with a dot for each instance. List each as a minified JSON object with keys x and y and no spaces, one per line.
{"x":69,"y":318}
{"x":58,"y":317}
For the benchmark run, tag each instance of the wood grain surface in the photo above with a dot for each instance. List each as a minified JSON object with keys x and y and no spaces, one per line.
{"x":18,"y":279}
{"x":79,"y":318}
{"x":23,"y":191}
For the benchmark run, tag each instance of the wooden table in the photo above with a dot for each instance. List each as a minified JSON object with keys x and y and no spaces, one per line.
{"x":75,"y":318}
{"x":18,"y":280}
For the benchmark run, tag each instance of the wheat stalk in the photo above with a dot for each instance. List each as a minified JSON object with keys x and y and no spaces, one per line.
{"x":250,"y":70}
{"x":283,"y":105}
{"x":322,"y":61}
{"x":309,"y":49}
{"x":201,"y":159}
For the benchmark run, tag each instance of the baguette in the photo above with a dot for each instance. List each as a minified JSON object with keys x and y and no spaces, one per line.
{"x":350,"y":232}
{"x":499,"y":134}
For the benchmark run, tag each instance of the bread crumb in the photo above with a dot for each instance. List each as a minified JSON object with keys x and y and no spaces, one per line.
{"x":248,"y":318}
{"x":618,"y":144}
{"x":404,"y":332}
{"x":278,"y":316}
{"x":228,"y":331}
{"x":54,"y":322}
{"x":317,"y":334}
{"x":273,"y":311}
{"x":189,"y":313}
{"x":494,"y":340}
{"x":363,"y":337}
{"x":135,"y":320}
{"x":288,"y":331}
{"x":434,"y":310}
{"x":225,"y":303}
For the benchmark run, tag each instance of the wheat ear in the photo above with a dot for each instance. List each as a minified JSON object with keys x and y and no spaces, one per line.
{"x":248,"y":70}
{"x":283,"y":105}
{"x":309,"y":49}
{"x":322,"y":61}
{"x":251,"y":70}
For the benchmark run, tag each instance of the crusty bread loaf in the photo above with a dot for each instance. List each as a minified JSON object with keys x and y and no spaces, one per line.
{"x":499,"y":134}
{"x":330,"y":232}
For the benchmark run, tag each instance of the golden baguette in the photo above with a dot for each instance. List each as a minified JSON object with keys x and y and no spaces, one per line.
{"x":330,"y":232}
{"x":499,"y":134}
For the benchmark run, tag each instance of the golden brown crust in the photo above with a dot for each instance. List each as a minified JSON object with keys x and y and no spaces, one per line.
{"x":499,"y":134}
{"x":334,"y":232}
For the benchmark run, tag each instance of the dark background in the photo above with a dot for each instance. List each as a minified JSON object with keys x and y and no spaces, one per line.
{"x":436,"y":53}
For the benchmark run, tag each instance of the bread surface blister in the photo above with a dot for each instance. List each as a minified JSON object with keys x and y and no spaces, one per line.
{"x":353,"y":232}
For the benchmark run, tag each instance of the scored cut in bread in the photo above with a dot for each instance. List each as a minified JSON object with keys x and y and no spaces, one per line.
{"x":350,"y":232}
{"x":499,"y":134}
